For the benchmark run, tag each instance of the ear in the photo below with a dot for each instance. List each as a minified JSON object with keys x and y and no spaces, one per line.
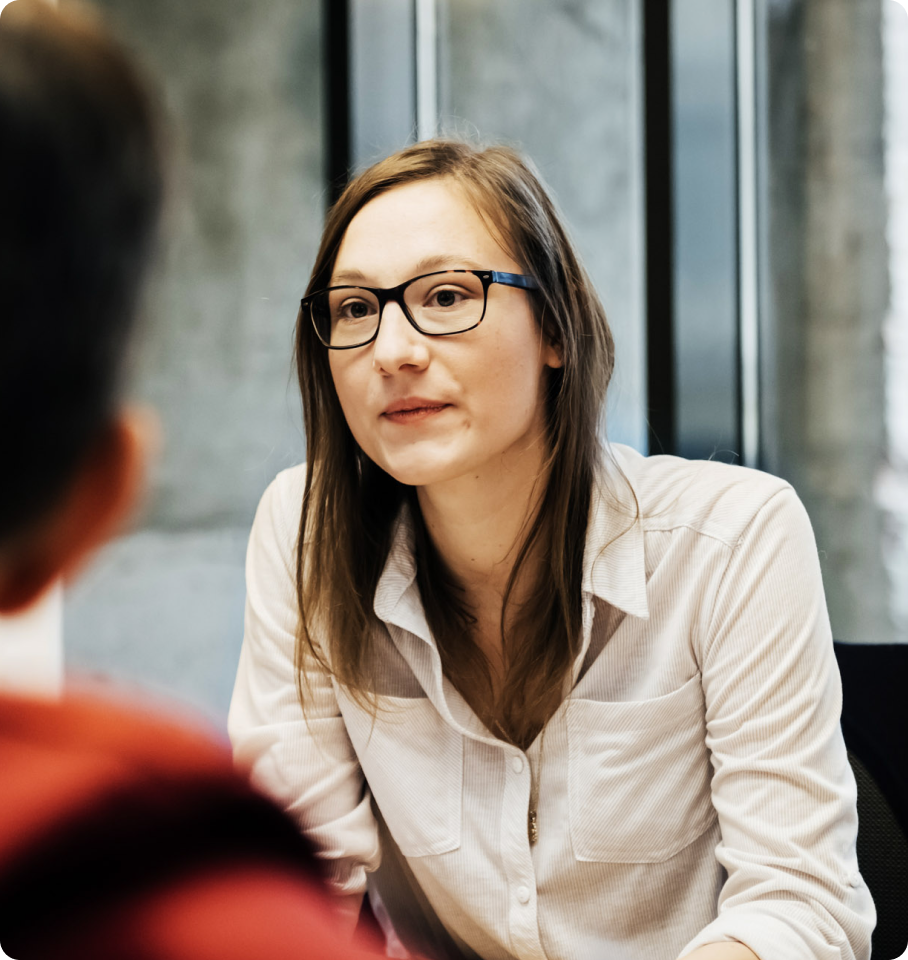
{"x":552,"y":348}
{"x":99,"y":499}
{"x":552,"y":354}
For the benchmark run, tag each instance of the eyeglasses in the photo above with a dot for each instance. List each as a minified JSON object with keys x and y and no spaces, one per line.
{"x":436,"y":304}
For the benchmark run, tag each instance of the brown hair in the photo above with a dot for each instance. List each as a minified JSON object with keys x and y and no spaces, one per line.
{"x":350,"y":504}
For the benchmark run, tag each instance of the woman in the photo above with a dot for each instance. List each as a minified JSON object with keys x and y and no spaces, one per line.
{"x":588,"y":698}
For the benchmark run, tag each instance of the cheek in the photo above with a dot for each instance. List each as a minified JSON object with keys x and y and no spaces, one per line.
{"x":345,"y":386}
{"x":336,"y":370}
{"x":342,"y":375}
{"x":513,"y":370}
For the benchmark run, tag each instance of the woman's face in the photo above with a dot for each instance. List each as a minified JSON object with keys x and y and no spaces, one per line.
{"x":429,"y":410}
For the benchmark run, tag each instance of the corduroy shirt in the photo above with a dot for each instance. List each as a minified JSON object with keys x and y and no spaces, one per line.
{"x":692,"y":787}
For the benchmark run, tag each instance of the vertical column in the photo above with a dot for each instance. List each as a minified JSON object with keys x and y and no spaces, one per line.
{"x":748,"y":247}
{"x":426,"y":69}
{"x":893,"y":484}
{"x":657,"y":109}
{"x":829,"y":265}
{"x":336,"y":71}
{"x":706,"y":228}
{"x":383,"y":78}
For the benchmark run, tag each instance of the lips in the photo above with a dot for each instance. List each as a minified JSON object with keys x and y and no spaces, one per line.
{"x":408,"y":404}
{"x":410,"y":409}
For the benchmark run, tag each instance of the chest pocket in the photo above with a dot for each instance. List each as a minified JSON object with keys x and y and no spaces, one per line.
{"x":413,"y":763}
{"x":639,"y":776}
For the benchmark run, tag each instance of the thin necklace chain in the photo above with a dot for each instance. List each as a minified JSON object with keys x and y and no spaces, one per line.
{"x":532,"y":815}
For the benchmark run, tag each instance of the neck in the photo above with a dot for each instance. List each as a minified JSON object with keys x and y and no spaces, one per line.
{"x":478,"y":524}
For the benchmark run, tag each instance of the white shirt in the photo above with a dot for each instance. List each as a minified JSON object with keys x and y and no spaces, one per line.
{"x":31,"y":648}
{"x":693,"y":786}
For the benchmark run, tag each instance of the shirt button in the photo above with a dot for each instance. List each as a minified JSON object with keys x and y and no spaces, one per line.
{"x":523,"y":894}
{"x":517,"y":767}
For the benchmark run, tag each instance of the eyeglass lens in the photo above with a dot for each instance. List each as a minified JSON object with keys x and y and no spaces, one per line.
{"x":442,"y":303}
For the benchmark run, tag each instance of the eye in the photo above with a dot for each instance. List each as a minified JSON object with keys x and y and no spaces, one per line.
{"x":353,"y":310}
{"x":446,"y":297}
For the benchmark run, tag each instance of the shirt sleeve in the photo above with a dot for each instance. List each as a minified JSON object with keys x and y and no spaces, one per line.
{"x":782,"y":784}
{"x":305,"y":762}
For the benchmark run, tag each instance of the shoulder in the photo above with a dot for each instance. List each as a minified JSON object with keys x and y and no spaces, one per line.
{"x":120,"y":798}
{"x":714,"y":499}
{"x":68,"y":764}
{"x":107,"y":732}
{"x":277,"y":518}
{"x":284,"y":495}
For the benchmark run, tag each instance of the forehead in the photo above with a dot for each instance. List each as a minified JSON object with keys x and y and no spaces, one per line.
{"x":417,"y":228}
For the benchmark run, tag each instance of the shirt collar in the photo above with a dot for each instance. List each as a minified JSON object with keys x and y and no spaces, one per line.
{"x":613,"y":559}
{"x":397,"y":599}
{"x":614,"y":567}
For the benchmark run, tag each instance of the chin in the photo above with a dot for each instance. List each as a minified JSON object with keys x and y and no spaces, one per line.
{"x":414,"y":476}
{"x":417,"y":472}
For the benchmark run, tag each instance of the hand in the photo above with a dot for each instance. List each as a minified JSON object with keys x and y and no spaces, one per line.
{"x":730,"y":950}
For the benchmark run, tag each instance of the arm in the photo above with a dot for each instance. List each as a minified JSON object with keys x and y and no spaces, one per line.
{"x":306,"y":763}
{"x":782,"y":785}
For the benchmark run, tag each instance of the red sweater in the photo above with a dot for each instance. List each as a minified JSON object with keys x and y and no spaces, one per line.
{"x":125,"y":836}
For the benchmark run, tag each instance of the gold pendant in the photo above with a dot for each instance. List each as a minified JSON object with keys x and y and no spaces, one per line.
{"x":532,"y":827}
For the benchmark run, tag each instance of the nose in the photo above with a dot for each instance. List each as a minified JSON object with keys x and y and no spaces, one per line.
{"x":399,"y":345}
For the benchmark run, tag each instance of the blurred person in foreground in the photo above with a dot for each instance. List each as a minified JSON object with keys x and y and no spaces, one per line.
{"x":121,"y":834}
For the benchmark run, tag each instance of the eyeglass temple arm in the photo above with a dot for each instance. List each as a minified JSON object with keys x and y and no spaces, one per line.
{"x":515,"y":280}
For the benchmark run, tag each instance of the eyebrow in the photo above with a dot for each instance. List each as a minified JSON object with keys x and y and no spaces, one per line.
{"x":426,"y":265}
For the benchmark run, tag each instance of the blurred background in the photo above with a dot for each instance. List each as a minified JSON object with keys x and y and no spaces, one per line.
{"x":735,"y":173}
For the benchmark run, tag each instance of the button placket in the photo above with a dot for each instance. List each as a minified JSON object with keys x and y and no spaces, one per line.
{"x":517,"y":857}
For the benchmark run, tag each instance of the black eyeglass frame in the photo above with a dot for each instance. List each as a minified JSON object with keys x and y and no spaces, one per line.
{"x":383,"y":295}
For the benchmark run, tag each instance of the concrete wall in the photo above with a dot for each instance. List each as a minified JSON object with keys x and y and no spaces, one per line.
{"x":163,"y":605}
{"x":825,"y":376}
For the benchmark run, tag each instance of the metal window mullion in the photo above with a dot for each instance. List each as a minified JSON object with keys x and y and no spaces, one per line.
{"x":659,"y":226}
{"x":426,"y":19}
{"x":748,"y":235}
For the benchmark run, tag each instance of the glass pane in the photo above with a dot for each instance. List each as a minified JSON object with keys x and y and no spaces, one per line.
{"x":562,"y":81}
{"x":382,"y":78}
{"x":835,"y":362}
{"x":705,"y":252}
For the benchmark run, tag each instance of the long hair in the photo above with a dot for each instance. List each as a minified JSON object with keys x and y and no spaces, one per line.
{"x":350,"y":504}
